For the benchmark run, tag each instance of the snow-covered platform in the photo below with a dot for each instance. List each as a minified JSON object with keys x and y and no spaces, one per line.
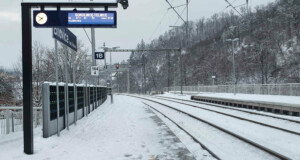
{"x":289,"y":105}
{"x":127,"y":129}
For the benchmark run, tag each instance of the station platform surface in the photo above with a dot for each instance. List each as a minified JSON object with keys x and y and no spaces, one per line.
{"x":127,"y":129}
{"x":276,"y":103}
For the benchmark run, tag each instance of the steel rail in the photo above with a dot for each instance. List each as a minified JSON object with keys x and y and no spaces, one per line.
{"x":230,"y":108}
{"x":233,"y":116}
{"x":270,"y":151}
{"x":194,"y":138}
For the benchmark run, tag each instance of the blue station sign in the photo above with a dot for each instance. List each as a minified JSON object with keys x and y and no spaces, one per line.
{"x":75,"y":19}
{"x":66,"y":37}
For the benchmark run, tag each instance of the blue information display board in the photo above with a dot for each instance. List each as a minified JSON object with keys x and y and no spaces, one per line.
{"x":75,"y":19}
{"x":91,"y":18}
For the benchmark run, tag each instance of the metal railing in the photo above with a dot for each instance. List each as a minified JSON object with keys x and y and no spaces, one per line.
{"x":11,"y":118}
{"x":287,"y":89}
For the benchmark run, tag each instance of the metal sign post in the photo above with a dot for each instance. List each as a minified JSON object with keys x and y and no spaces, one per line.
{"x":66,"y":37}
{"x":57,"y":87}
{"x":74,"y":88}
{"x":27,"y":55}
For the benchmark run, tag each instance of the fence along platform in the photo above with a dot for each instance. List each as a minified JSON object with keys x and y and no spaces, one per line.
{"x":88,"y":99}
{"x":286,"y":89}
{"x":274,"y":107}
{"x":11,"y":118}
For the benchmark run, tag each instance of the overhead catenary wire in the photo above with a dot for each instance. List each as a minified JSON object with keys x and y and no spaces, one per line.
{"x":230,"y":4}
{"x":176,"y":11}
{"x":180,"y":14}
{"x":87,"y":35}
{"x":163,"y":17}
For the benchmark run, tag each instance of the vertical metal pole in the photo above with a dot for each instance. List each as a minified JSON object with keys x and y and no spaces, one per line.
{"x":180,"y":59}
{"x":89,"y":97}
{"x":57,"y":87}
{"x":12,"y":122}
{"x":36,"y":117}
{"x":93,"y":59}
{"x":95,"y":96}
{"x":105,"y":65}
{"x":93,"y":45}
{"x":7,"y":121}
{"x":74,"y":87}
{"x":187,"y":23}
{"x":66,"y":90}
{"x":86,"y":90}
{"x":118,"y":82}
{"x":174,"y":80}
{"x":27,"y":79}
{"x":233,"y":65}
{"x":169,"y":64}
{"x":128,"y":81}
{"x":111,"y":83}
{"x":94,"y":63}
{"x":144,"y":74}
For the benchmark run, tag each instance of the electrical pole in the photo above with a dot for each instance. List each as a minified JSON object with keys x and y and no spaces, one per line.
{"x":128,"y":80}
{"x":93,"y":57}
{"x":180,"y":59}
{"x":111,"y":82}
{"x":187,"y":23}
{"x":144,"y":74}
{"x":233,"y":64}
{"x":105,"y":56}
{"x":168,"y":57}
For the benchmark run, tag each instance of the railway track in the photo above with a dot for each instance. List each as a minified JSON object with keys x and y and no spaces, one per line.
{"x":244,"y":139}
{"x":237,"y":117}
{"x":231,"y":108}
{"x":193,"y":137}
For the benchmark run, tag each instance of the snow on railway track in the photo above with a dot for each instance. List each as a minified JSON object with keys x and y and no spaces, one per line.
{"x":228,"y":135}
{"x":261,"y":113}
{"x":279,"y":124}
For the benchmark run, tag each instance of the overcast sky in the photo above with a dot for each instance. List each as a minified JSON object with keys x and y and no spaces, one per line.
{"x":140,"y":21}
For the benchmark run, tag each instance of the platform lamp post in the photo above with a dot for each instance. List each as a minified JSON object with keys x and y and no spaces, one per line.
{"x":233,"y":64}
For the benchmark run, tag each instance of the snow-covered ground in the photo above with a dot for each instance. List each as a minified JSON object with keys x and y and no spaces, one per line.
{"x":125,"y":130}
{"x":249,"y":97}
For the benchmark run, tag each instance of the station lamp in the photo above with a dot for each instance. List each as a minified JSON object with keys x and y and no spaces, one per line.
{"x":124,"y":3}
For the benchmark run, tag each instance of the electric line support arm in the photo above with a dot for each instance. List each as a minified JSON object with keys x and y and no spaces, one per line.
{"x":169,"y":50}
